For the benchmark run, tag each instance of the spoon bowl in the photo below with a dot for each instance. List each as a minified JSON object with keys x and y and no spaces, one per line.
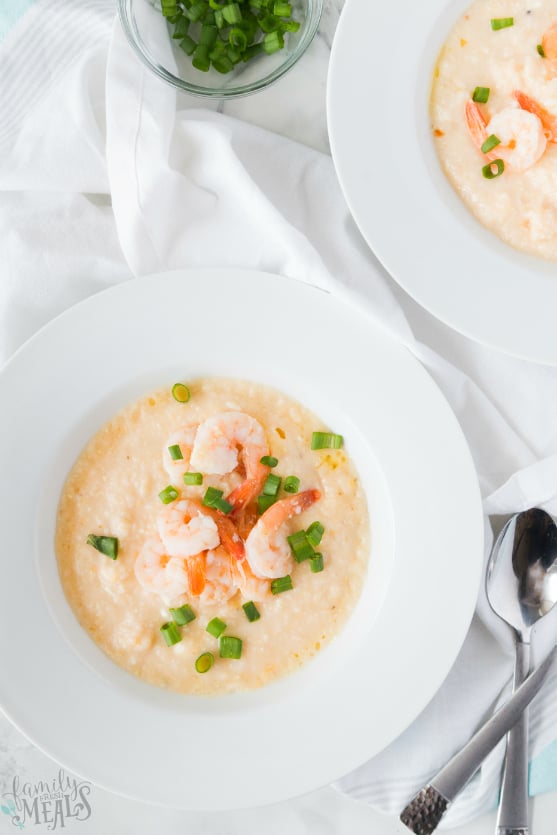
{"x":521,"y":586}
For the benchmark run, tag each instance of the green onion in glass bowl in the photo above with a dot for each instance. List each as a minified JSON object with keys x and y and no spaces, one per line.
{"x":219,"y":48}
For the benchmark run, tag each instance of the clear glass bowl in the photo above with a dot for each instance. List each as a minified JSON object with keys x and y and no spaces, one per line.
{"x":151,"y":37}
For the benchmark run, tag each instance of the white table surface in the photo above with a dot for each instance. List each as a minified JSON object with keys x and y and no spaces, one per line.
{"x":295,"y":107}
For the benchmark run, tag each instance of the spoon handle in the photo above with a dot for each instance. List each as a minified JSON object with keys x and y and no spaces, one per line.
{"x":512,"y":818}
{"x":424,"y":812}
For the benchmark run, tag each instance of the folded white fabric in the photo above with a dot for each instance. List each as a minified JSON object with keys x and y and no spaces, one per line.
{"x":182,"y":186}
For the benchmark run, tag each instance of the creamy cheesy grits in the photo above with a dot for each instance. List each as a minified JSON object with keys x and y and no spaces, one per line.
{"x":494,"y":119}
{"x":172,"y":536}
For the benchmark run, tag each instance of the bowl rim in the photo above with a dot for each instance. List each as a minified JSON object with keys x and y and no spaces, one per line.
{"x":133,"y":36}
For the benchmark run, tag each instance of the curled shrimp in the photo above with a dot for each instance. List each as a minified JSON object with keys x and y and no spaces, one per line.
{"x":267,"y":551}
{"x":157,"y":572}
{"x":220,"y":577}
{"x":228,"y":441}
{"x":549,"y":122}
{"x":549,"y":46}
{"x":176,"y":468}
{"x":521,"y":135}
{"x":186,"y":530}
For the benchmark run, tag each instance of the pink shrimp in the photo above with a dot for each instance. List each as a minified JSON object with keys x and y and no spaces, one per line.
{"x":521,"y":135}
{"x":176,"y":467}
{"x":157,"y":572}
{"x":267,"y":551}
{"x":549,"y":122}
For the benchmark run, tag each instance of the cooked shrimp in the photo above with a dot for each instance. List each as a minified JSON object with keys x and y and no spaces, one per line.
{"x":157,"y":572}
{"x":183,"y":438}
{"x":186,"y":529}
{"x":220,"y":577}
{"x":267,"y":551}
{"x":228,"y":441}
{"x":251,"y":587}
{"x":549,"y":45}
{"x":547,"y":119}
{"x":521,"y":135}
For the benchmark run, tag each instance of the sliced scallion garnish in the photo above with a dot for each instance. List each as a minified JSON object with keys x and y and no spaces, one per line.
{"x":169,"y":494}
{"x":481,"y":95}
{"x":251,"y":610}
{"x":326,"y":440}
{"x":541,"y":50}
{"x":488,"y":171}
{"x":182,"y":615}
{"x":107,"y":545}
{"x":213,"y":498}
{"x":215,"y":627}
{"x":230,"y":647}
{"x":180,"y":393}
{"x":315,"y":533}
{"x":281,"y":584}
{"x":193,"y":478}
{"x":291,"y":484}
{"x":264,"y":503}
{"x":491,"y":142}
{"x":272,"y":485}
{"x":175,"y":452}
{"x":501,"y":22}
{"x":170,"y":633}
{"x":204,"y":662}
{"x":300,"y":546}
{"x":268,"y":461}
{"x":316,"y":563}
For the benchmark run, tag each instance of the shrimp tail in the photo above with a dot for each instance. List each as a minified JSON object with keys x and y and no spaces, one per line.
{"x":195,"y":567}
{"x":476,"y":123}
{"x":229,"y":535}
{"x":548,"y":121}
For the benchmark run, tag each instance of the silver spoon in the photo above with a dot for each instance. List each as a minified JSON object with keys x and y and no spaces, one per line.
{"x":424,"y":812}
{"x":521,"y":586}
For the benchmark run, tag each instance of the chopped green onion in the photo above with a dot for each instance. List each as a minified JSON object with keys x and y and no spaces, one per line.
{"x":215,"y":627}
{"x":183,"y":615}
{"x":541,"y":50}
{"x":213,"y":498}
{"x":230,"y":647}
{"x":269,"y":23}
{"x":488,"y":171}
{"x":201,"y":60}
{"x":223,"y":64}
{"x":281,"y":584}
{"x":169,"y":8}
{"x":232,"y":13}
{"x":170,"y":633}
{"x":216,"y":4}
{"x":272,"y":485}
{"x":181,"y":27}
{"x":290,"y":25}
{"x":208,"y":35}
{"x":188,"y":45}
{"x":316,"y":563}
{"x":501,"y":22}
{"x":291,"y":484}
{"x":239,"y":39}
{"x":481,"y":95}
{"x":326,"y":440}
{"x":251,"y":610}
{"x":193,"y":478}
{"x":315,"y":533}
{"x":180,"y":392}
{"x":205,"y":661}
{"x":300,"y":546}
{"x":268,"y":461}
{"x":175,"y":452}
{"x":282,"y":9}
{"x":107,"y":545}
{"x":196,"y":11}
{"x":169,"y":494}
{"x":491,"y":142}
{"x":265,"y":502}
{"x":272,"y":42}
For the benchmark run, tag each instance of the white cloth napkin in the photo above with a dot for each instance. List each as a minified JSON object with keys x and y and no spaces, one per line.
{"x":181,"y":186}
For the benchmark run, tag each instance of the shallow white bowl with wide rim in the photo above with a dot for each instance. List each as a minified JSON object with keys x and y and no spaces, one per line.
{"x":406,"y":209}
{"x":406,"y":630}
